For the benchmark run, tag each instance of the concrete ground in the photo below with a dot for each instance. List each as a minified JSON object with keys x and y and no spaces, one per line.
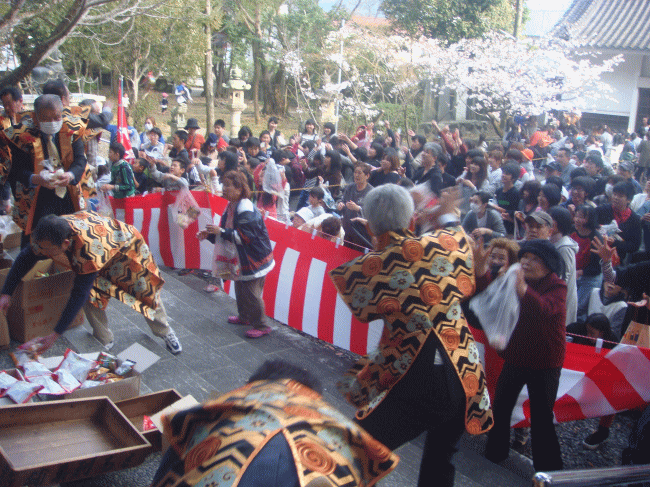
{"x":217,"y":357}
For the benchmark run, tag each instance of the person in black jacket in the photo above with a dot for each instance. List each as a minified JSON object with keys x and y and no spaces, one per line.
{"x":629,"y":223}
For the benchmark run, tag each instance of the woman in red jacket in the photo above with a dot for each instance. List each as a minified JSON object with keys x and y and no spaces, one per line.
{"x":534,"y":355}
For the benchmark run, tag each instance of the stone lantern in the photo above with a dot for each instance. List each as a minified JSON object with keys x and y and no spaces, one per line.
{"x":236,"y":86}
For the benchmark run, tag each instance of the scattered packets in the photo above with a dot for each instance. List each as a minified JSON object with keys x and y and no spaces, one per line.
{"x":67,"y":380}
{"x":78,"y":366}
{"x":5,"y":381}
{"x":147,"y":424}
{"x":125,"y":368}
{"x":49,"y":385}
{"x":35,"y":369}
{"x":21,"y":391}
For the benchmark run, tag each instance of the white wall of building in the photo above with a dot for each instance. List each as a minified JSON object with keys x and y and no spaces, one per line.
{"x":625,"y":81}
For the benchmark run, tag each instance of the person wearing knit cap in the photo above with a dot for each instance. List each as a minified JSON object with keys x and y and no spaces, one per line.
{"x":535,"y":353}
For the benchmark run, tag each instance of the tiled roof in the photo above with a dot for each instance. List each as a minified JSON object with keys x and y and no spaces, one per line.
{"x":607,"y":24}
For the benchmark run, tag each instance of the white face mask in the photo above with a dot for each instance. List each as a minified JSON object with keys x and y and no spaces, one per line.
{"x":474,"y":207}
{"x":51,"y":128}
{"x":609,"y":190}
{"x":148,"y":127}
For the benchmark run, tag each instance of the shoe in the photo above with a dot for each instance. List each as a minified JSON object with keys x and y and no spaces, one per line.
{"x":173,"y":345}
{"x":236,"y":320}
{"x":211,"y":288}
{"x":108,"y":346}
{"x":595,"y":439}
{"x":258,"y":332}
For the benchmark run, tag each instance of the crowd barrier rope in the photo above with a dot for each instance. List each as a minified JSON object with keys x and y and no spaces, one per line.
{"x":298,"y":292}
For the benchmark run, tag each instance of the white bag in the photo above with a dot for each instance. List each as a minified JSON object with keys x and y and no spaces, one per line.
{"x":497,"y":308}
{"x":272,"y":182}
{"x":225,"y":260}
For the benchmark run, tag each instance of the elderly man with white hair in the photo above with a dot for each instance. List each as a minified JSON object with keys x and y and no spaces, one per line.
{"x":425,"y":375}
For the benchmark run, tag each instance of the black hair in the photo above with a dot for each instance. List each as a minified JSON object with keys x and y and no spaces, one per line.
{"x":552,"y":193}
{"x":158,"y":132}
{"x":590,"y":214}
{"x":118,"y":149}
{"x":55,"y":87}
{"x":577,"y":172}
{"x":329,"y":125}
{"x":556,"y":180}
{"x":309,"y":145}
{"x":562,"y":218}
{"x":15,"y":93}
{"x":586,"y":183}
{"x":335,"y":157}
{"x":276,"y":370}
{"x":220,"y":123}
{"x":533,"y":186}
{"x":231,"y":160}
{"x":143,"y":162}
{"x":244,"y":132}
{"x":625,"y":188}
{"x":600,"y":322}
{"x":512,"y":169}
{"x":566,"y":150}
{"x":515,"y":154}
{"x":272,"y":119}
{"x":405,"y":183}
{"x":420,"y":139}
{"x":331,"y":226}
{"x":484,"y":196}
{"x":53,"y":229}
{"x":182,"y":162}
{"x":181,"y":134}
{"x":318,"y":192}
{"x":101,"y":170}
{"x":253,"y":142}
{"x":379,"y":149}
{"x":86,"y":102}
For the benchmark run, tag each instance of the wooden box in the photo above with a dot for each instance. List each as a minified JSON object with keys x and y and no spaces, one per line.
{"x":135,"y":409}
{"x":61,"y":441}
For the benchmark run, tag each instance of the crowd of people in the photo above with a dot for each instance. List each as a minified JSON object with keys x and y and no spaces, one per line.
{"x":443,"y":218}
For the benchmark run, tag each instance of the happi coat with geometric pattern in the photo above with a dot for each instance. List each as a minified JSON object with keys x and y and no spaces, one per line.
{"x":218,"y":440}
{"x":117,"y":251}
{"x":415,"y":285}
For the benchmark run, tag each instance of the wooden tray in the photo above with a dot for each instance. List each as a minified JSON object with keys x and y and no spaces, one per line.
{"x":60,"y":441}
{"x":148,"y":404}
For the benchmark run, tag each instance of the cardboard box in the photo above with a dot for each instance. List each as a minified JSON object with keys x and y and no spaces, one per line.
{"x":116,"y":391}
{"x":135,"y":409}
{"x":61,"y":441}
{"x":637,"y":334}
{"x":37,"y":304}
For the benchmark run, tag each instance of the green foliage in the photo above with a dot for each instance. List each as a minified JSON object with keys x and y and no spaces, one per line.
{"x":144,"y":107}
{"x":449,"y":20}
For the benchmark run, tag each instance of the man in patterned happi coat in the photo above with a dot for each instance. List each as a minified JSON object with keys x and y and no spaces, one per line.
{"x":425,"y":376}
{"x":275,"y":431}
{"x":110,"y":260}
{"x":49,"y":138}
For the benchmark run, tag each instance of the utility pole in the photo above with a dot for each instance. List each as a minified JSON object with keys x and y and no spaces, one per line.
{"x":209,"y":73}
{"x":519,"y":6}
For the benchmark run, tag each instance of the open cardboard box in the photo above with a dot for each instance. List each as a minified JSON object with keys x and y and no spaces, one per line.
{"x":149,"y":404}
{"x":116,"y":391}
{"x":61,"y":441}
{"x":37,"y":303}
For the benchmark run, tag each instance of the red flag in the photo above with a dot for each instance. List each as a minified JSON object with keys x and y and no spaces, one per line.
{"x":122,"y":130}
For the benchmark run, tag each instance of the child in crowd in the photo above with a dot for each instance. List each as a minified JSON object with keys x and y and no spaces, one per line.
{"x":122,"y":182}
{"x":316,"y":201}
{"x":141,"y":175}
{"x":173,"y":180}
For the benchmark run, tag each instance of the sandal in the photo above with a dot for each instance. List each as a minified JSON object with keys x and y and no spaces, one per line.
{"x":211,"y":288}
{"x":257,"y":332}
{"x":236,"y":320}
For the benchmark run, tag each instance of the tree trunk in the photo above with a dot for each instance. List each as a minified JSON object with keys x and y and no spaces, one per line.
{"x":499,"y":125}
{"x":274,"y":93}
{"x":257,"y":75}
{"x":209,"y":74}
{"x":75,"y":13}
